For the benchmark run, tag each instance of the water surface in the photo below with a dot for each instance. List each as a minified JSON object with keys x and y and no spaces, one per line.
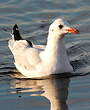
{"x":34,"y":18}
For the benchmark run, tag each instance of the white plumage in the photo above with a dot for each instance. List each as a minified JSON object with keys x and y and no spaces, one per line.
{"x":36,"y":61}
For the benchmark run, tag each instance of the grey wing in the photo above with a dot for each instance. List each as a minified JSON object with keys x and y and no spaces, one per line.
{"x":25,"y":55}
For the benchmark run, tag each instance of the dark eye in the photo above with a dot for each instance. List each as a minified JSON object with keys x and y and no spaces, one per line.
{"x":60,"y":26}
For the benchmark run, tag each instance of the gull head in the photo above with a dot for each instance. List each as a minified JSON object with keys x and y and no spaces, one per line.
{"x":61,"y":27}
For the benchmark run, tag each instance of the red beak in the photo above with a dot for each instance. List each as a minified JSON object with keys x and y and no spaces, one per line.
{"x":73,"y":30}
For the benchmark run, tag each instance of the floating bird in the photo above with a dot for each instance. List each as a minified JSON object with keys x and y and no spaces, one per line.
{"x":37,"y":61}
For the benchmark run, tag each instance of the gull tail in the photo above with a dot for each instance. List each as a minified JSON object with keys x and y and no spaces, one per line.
{"x":15,"y":37}
{"x":16,"y":33}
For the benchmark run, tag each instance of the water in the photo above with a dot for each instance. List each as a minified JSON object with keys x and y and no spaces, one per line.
{"x":34,"y":18}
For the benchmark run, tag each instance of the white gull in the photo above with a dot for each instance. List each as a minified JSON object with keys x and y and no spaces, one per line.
{"x":34,"y":61}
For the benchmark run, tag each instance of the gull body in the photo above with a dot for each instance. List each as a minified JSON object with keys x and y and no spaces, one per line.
{"x":34,"y":61}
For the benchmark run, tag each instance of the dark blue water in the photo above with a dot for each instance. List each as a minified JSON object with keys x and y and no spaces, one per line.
{"x":34,"y":18}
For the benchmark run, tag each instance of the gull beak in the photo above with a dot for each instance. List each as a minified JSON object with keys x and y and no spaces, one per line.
{"x":72,"y":30}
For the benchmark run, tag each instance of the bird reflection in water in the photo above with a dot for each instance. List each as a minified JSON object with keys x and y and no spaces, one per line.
{"x":55,"y":89}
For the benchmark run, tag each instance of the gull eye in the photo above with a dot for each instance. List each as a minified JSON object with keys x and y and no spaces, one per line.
{"x":60,"y":26}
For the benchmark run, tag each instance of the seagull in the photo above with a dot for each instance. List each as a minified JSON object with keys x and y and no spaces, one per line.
{"x":35,"y":61}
